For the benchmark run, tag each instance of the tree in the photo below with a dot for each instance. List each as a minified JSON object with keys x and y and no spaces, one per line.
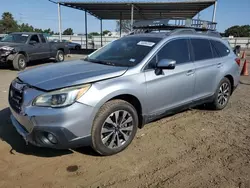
{"x":125,"y":26}
{"x":238,"y":31}
{"x":49,"y":31}
{"x":25,"y":28}
{"x":38,"y":30}
{"x":91,"y":34}
{"x":106,"y":32}
{"x":8,"y":24}
{"x":1,"y":27}
{"x":68,"y":31}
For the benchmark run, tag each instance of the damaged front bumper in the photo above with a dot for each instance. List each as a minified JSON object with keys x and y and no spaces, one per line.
{"x":6,"y":56}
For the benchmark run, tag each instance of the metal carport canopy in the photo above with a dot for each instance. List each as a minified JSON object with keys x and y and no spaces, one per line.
{"x":143,"y":9}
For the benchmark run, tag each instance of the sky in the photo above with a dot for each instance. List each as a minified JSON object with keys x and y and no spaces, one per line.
{"x":43,"y":14}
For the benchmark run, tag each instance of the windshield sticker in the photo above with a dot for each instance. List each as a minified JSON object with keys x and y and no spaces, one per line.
{"x":25,"y":35}
{"x":146,"y":43}
{"x":132,"y":60}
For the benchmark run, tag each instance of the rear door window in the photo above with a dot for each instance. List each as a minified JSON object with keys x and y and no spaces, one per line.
{"x":221,"y":48}
{"x":34,"y":38}
{"x":202,"y":49}
{"x":42,"y":38}
{"x":176,"y":50}
{"x":214,"y":50}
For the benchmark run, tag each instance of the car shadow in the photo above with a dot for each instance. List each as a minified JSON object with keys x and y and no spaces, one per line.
{"x":9,"y":135}
{"x":87,"y":150}
{"x":244,"y":83}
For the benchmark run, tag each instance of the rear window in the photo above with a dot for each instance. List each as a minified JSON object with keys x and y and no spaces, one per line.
{"x":202,"y":49}
{"x":215,"y":52}
{"x":220,"y":48}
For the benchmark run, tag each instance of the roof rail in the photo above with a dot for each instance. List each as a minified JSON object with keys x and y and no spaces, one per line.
{"x":213,"y":34}
{"x":174,"y":23}
{"x":193,"y":31}
{"x":183,"y":31}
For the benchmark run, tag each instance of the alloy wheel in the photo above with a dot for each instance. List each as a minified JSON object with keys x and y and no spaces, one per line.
{"x":223,"y":94}
{"x":60,"y":56}
{"x":22,"y":63}
{"x":117,"y":129}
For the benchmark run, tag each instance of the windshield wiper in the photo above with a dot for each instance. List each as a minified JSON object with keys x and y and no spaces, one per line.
{"x":99,"y":61}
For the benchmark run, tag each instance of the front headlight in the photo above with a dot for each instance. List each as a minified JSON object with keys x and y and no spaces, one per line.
{"x":7,"y":48}
{"x":61,"y":98}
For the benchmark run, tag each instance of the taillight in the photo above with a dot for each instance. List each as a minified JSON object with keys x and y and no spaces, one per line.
{"x":237,"y":60}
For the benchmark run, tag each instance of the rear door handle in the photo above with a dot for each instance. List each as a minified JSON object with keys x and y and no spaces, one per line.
{"x":190,"y":72}
{"x":219,"y":65}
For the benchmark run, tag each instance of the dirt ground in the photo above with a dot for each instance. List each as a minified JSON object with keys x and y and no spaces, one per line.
{"x":195,"y":148}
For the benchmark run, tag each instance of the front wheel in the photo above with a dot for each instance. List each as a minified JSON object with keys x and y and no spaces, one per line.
{"x":114,"y":127}
{"x":222,"y":95}
{"x":20,"y":62}
{"x":59,"y":56}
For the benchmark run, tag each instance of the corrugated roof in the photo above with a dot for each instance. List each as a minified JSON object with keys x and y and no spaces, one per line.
{"x":151,"y":9}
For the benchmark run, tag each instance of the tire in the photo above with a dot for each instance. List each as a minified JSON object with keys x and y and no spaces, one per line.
{"x":20,"y":62}
{"x":59,"y":56}
{"x":78,"y":48}
{"x":222,"y":93}
{"x":108,"y":139}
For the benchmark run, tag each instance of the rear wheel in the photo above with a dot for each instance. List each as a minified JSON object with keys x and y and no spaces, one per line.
{"x":59,"y":56}
{"x":20,"y":62}
{"x":78,"y":47}
{"x":114,"y":127}
{"x":222,"y":95}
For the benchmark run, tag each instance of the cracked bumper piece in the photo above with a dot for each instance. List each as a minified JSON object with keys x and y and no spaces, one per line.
{"x":56,"y":128}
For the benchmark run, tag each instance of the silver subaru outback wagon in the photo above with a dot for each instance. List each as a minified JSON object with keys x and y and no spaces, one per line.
{"x":102,"y":100}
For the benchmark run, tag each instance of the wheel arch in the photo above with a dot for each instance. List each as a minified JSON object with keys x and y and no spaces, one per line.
{"x":25,"y":55}
{"x":231,"y":79}
{"x":62,"y":49}
{"x":135,"y":102}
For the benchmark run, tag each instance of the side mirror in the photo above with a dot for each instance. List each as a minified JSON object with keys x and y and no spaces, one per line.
{"x":32,"y":42}
{"x":166,"y":64}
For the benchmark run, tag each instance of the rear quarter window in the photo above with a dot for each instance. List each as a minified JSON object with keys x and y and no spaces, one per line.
{"x":221,"y":48}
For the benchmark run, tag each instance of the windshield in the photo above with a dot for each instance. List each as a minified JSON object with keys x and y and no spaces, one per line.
{"x":127,"y":51}
{"x":16,"y":38}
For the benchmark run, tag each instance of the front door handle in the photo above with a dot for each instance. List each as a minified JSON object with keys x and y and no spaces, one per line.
{"x":190,"y":72}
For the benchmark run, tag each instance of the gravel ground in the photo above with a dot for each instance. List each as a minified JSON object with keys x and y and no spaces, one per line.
{"x":195,"y":148}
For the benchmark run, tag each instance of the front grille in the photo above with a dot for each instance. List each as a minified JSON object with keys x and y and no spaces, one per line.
{"x":15,"y":98}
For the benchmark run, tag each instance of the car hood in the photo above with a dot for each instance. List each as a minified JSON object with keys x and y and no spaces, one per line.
{"x":67,"y":74}
{"x":10,"y":44}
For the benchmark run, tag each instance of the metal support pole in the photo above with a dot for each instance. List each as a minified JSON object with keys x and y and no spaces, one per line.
{"x":101,"y":32}
{"x":86,"y":29}
{"x":59,"y":22}
{"x":132,"y":17}
{"x":120,"y":24}
{"x":215,"y":8}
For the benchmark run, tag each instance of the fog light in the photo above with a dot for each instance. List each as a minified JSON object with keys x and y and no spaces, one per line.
{"x":52,"y":138}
